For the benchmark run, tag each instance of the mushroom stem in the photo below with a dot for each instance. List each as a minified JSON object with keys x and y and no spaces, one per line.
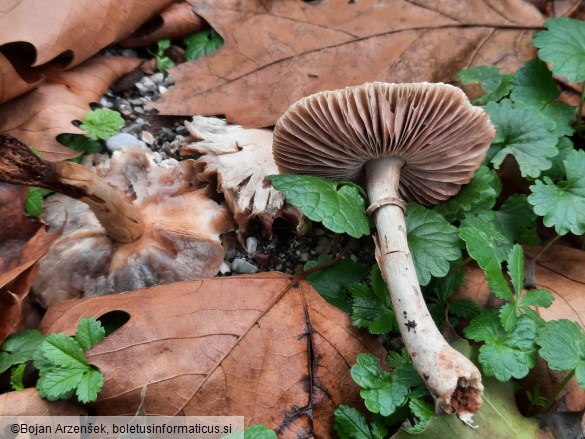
{"x":19,"y":165}
{"x":452,"y":379}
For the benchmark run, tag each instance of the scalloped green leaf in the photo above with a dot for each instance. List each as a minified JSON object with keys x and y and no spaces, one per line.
{"x":562,"y":204}
{"x":563,"y":45}
{"x":526,"y":134}
{"x":496,"y":84}
{"x":517,"y":220}
{"x":533,"y":85}
{"x":338,"y":205}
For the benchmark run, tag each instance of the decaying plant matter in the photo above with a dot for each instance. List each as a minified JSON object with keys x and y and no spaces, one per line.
{"x":129,"y":225}
{"x":420,"y":142}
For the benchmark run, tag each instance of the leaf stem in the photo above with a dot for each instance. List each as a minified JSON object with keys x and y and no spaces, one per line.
{"x":558,"y":390}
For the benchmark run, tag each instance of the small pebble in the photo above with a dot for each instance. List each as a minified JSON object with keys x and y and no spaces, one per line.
{"x":162,"y":89}
{"x":157,"y":77}
{"x":353,"y":257}
{"x":240,"y":265}
{"x":147,"y":137}
{"x":323,"y":247}
{"x":122,"y":141}
{"x":304,"y":256}
{"x":149,"y":86}
{"x":104,"y":102}
{"x":224,"y":268}
{"x":251,"y":246}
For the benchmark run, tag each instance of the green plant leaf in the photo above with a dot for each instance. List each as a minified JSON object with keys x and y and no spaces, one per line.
{"x":423,"y":411}
{"x":351,"y":424}
{"x":464,"y":308}
{"x":201,"y":44}
{"x":19,"y":348}
{"x":557,"y":170}
{"x":55,"y":383}
{"x":533,"y":85}
{"x":562,"y":204}
{"x":332,"y":282}
{"x":163,"y":45}
{"x":433,"y":242}
{"x":517,"y":220}
{"x":495,"y":84}
{"x":504,"y":355}
{"x":480,"y":193}
{"x":524,"y":133}
{"x":102,"y":123}
{"x":80,"y":143}
{"x":17,"y":376}
{"x":89,"y":333}
{"x":516,"y":268}
{"x":89,"y":386}
{"x":562,"y":345}
{"x":34,"y":200}
{"x":563,"y":45}
{"x":369,"y":312}
{"x":381,"y":392}
{"x":338,"y":205}
{"x":563,"y":115}
{"x":63,"y":351}
{"x":542,"y":298}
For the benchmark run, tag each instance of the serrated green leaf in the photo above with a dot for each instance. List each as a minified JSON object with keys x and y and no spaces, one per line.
{"x":17,"y":376}
{"x":562,"y":204}
{"x":562,"y":345}
{"x":423,"y":411}
{"x":563,"y":115}
{"x":516,"y":268}
{"x":542,"y":298}
{"x":202,"y":43}
{"x":19,"y":348}
{"x":63,"y":351}
{"x":56,"y":382}
{"x":350,"y":423}
{"x":432,"y":241}
{"x":89,"y":386}
{"x":102,"y":123}
{"x":480,"y":193}
{"x":524,"y":133}
{"x":338,"y":206}
{"x":464,"y":308}
{"x":509,"y":317}
{"x":445,"y":287}
{"x":517,"y":220}
{"x":80,"y":143}
{"x":369,"y":312}
{"x":557,"y":170}
{"x":381,"y":393}
{"x":563,"y":45}
{"x":34,"y":201}
{"x":533,"y":85}
{"x":89,"y":333}
{"x":495,"y":84}
{"x":504,"y":355}
{"x":332,"y":282}
{"x":163,"y":45}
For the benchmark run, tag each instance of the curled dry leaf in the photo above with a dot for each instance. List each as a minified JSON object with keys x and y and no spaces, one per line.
{"x":239,"y":159}
{"x":28,"y":403}
{"x":177,"y":238}
{"x":334,"y":44}
{"x":177,"y":21}
{"x":39,"y":116}
{"x":256,"y":346}
{"x":72,"y":32}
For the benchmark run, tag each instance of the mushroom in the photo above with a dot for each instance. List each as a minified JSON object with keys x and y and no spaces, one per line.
{"x":416,"y":142}
{"x":149,"y":226}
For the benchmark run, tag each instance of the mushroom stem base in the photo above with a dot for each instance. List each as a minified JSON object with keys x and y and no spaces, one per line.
{"x":452,"y":379}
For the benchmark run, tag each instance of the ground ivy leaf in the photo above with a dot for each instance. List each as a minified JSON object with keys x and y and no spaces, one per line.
{"x":201,"y":44}
{"x":533,"y":85}
{"x":557,"y":170}
{"x":504,"y":355}
{"x":89,"y":386}
{"x":432,"y":241}
{"x":562,"y":345}
{"x":369,"y":312}
{"x":102,"y":123}
{"x":517,"y":220}
{"x":350,"y":423}
{"x":19,"y":348}
{"x":492,"y":81}
{"x":563,"y":45}
{"x":526,"y":134}
{"x":564,"y":115}
{"x":89,"y":332}
{"x":380,"y":391}
{"x":339,"y":206}
{"x":332,"y":282}
{"x":562,"y":204}
{"x":56,"y":382}
{"x":63,"y":351}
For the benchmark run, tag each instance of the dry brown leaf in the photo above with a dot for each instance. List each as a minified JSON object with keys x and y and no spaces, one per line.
{"x":239,"y":159}
{"x":28,"y":403}
{"x":39,"y":37}
{"x":254,"y":346}
{"x":278,"y":52}
{"x":177,"y":21}
{"x":36,"y":118}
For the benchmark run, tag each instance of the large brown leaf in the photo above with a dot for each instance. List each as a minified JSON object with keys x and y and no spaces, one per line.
{"x":36,"y":118}
{"x":41,"y":36}
{"x":28,"y":403}
{"x":253,"y":345}
{"x":278,"y":52}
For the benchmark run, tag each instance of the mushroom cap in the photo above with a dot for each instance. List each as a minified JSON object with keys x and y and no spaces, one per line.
{"x":441,"y":137}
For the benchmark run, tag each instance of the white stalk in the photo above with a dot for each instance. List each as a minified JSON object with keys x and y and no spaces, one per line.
{"x":452,"y":379}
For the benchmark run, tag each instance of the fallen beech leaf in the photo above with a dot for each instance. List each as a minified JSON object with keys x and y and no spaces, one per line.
{"x":39,"y":37}
{"x":177,"y":21}
{"x":277,"y":52}
{"x":253,"y":345}
{"x":39,"y":116}
{"x":28,"y":403}
{"x":239,"y":159}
